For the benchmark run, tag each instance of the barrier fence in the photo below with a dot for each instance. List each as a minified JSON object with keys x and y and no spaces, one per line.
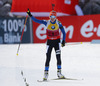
{"x":78,"y":29}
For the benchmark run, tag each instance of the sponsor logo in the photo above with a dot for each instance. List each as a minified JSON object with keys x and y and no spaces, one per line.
{"x":88,"y":29}
{"x":69,"y":29}
{"x":13,"y":30}
{"x":41,"y":32}
{"x":10,"y":38}
{"x":53,"y":27}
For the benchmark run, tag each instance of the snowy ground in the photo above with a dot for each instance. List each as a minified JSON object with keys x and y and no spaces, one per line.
{"x":78,"y":61}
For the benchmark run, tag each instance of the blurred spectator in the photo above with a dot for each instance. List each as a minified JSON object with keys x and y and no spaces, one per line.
{"x":82,"y":3}
{"x":5,"y":7}
{"x":10,"y":1}
{"x":1,"y":4}
{"x":90,"y":6}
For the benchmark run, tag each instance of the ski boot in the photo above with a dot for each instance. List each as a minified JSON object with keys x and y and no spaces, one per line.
{"x":45,"y":76}
{"x":60,"y":76}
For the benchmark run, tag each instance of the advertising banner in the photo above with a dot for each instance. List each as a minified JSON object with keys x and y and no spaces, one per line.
{"x":77,"y":28}
{"x":43,"y":7}
{"x":11,"y":30}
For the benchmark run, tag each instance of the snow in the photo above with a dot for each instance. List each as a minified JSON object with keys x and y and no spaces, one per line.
{"x":79,"y":61}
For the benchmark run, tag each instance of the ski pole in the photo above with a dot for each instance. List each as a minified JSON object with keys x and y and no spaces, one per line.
{"x":22,"y":35}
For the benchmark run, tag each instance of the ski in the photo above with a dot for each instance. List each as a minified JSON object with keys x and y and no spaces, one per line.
{"x":58,"y":79}
{"x":42,"y":80}
{"x":66,"y":79}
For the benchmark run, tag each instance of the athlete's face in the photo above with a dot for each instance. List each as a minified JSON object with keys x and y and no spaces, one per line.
{"x":52,"y":18}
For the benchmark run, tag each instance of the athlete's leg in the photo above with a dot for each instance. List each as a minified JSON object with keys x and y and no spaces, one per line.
{"x":58,"y":55}
{"x":48,"y":57}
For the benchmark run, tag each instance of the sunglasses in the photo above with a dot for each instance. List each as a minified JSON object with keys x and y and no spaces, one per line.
{"x":52,"y":16}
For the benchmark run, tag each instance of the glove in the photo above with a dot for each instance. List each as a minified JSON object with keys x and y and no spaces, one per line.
{"x":63,"y":43}
{"x":29,"y":13}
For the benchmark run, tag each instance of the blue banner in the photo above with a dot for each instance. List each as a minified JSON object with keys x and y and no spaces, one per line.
{"x":11,"y":30}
